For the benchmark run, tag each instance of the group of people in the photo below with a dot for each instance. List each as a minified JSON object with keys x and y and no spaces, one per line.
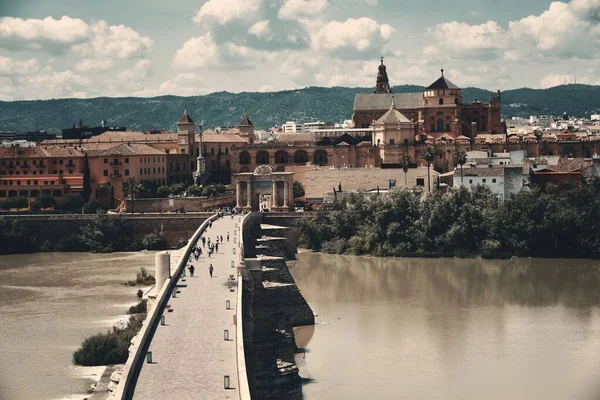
{"x":206,"y":243}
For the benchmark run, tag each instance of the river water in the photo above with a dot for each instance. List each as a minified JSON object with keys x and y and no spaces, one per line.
{"x":451,"y":328}
{"x":49,"y":303}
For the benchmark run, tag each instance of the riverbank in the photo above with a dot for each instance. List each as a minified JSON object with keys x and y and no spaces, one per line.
{"x":546,"y":222}
{"x":59,"y":299}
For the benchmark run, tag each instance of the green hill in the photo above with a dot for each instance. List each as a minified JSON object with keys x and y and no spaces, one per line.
{"x":264,"y":109}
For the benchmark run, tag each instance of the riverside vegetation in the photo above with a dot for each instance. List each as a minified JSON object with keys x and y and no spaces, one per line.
{"x":543,"y":222}
{"x":101,"y":234}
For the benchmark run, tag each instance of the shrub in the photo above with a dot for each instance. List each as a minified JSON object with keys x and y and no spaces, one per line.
{"x":143,"y":278}
{"x":91,"y":207}
{"x":335,"y":246}
{"x":154,"y":241}
{"x":70,"y":202}
{"x":195,"y":191}
{"x":163,"y":192}
{"x":139,"y":308}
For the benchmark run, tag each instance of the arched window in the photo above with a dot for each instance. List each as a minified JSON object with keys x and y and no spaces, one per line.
{"x":262,"y":157}
{"x":244,"y":157}
{"x":447,"y":127}
{"x":456,"y":100}
{"x":441,"y":102}
{"x":440,"y":125}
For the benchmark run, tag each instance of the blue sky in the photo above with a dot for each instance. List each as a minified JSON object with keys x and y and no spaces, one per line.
{"x":85,"y":48}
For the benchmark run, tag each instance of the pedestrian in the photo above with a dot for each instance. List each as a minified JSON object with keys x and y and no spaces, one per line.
{"x":210,"y":224}
{"x":210,"y":270}
{"x":228,"y":236}
{"x":217,"y":247}
{"x":192,"y":269}
{"x":203,"y":241}
{"x":221,"y":238}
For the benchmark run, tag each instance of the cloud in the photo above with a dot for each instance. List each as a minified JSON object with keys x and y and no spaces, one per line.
{"x":56,"y":36}
{"x":186,"y":84}
{"x":226,"y":11}
{"x":89,"y":64}
{"x":139,"y":71}
{"x":353,"y":39}
{"x":552,"y":80}
{"x":460,"y":40}
{"x":261,"y":30}
{"x":297,"y":9}
{"x":300,"y":68}
{"x":10,"y":67}
{"x":559,"y":31}
{"x":203,"y":52}
{"x":55,"y":85}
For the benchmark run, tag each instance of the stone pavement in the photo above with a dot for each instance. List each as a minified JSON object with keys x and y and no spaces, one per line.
{"x":190,"y":356}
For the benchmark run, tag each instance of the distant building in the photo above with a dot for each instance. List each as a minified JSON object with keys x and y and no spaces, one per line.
{"x":32,"y":136}
{"x":85,"y":132}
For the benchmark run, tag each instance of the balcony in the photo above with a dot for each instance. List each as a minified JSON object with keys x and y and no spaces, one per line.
{"x":115,"y":162}
{"x":116,"y":176}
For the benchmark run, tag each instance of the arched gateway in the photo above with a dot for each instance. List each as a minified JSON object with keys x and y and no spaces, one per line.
{"x":265,"y":189}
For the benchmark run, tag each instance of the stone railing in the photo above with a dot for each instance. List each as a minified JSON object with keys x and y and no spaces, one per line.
{"x":134,"y":363}
{"x":240,"y":352}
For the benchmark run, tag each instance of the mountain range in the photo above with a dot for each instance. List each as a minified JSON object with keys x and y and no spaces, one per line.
{"x":264,"y":109}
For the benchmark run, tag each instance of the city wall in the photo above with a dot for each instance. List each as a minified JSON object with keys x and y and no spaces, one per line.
{"x":273,"y":306}
{"x":189,"y":204}
{"x":175,"y":227}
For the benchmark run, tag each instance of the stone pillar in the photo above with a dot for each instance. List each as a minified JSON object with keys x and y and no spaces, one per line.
{"x":238,"y":194}
{"x":162,"y":265}
{"x":249,"y":193}
{"x":274,"y":195}
{"x":286,"y":193}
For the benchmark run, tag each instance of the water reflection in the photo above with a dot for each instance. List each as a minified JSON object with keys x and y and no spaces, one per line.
{"x":451,"y":328}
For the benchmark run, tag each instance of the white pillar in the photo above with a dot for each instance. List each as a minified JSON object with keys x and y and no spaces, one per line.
{"x":238,"y":194}
{"x":286,"y":193}
{"x":249,"y":194}
{"x":274,"y":195}
{"x":162,"y":265}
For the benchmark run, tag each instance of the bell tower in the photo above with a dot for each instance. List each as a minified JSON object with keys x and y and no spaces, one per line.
{"x":383,"y":83}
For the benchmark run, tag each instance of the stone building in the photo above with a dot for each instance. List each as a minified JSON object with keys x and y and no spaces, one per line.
{"x":264,"y":190}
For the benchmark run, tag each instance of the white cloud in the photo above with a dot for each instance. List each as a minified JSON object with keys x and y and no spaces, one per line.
{"x":55,"y":85}
{"x":139,"y":71}
{"x":460,"y":40}
{"x":559,"y":31}
{"x":186,"y":84}
{"x":300,"y":68}
{"x":261,"y":30}
{"x":552,"y":80}
{"x":297,"y":9}
{"x":90,"y":64}
{"x":203,"y":52}
{"x":225,"y":11}
{"x":11,"y":67}
{"x":38,"y":33}
{"x":352,"y":39}
{"x":115,"y":41}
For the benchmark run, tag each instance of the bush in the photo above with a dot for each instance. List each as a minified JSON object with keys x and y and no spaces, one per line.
{"x":111,"y":347}
{"x":154,"y":241}
{"x":91,"y":207}
{"x":139,"y":308}
{"x":195,"y":191}
{"x":14,"y":202}
{"x":335,"y":246}
{"x":163,"y":192}
{"x":177,"y":188}
{"x":143,"y":278}
{"x":70,"y":202}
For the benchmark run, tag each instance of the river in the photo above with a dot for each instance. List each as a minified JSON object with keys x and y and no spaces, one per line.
{"x":451,"y":328}
{"x":49,"y":303}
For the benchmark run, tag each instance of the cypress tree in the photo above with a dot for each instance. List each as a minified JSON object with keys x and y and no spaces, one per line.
{"x":87,"y":180}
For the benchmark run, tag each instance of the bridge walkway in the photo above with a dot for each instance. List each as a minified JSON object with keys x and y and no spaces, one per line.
{"x":190,"y":355}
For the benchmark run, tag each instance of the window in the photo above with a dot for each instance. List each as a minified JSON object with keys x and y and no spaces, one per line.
{"x":127,"y":161}
{"x":153,"y":170}
{"x":440,"y":125}
{"x":441,"y":102}
{"x":60,"y":162}
{"x":484,"y":180}
{"x":105,"y":172}
{"x":35,"y":182}
{"x":35,"y":172}
{"x":45,"y":182}
{"x":70,"y":171}
{"x":141,"y":171}
{"x":105,"y":161}
{"x":406,"y":142}
{"x":226,"y":151}
{"x":391,"y":142}
{"x":470,"y":181}
{"x":29,"y":182}
{"x":54,"y":171}
{"x":420,"y":181}
{"x":126,"y":172}
{"x":54,"y":162}
{"x":60,"y":171}
{"x":212,"y":151}
{"x":493,"y":181}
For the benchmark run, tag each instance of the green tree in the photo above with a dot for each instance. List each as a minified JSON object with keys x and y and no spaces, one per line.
{"x":209,"y":191}
{"x":131,"y":189}
{"x":428,"y":155}
{"x":163,"y":192}
{"x":405,"y":162}
{"x":91,"y":207}
{"x":70,"y":202}
{"x":177,"y":188}
{"x":298,"y":189}
{"x":195,"y":191}
{"x":87,"y":179}
{"x":460,"y":159}
{"x":43,"y":201}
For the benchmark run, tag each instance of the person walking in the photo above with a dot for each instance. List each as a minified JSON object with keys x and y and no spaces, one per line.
{"x":228,"y":236}
{"x":203,"y":241}
{"x":210,"y":270}
{"x":221,"y":238}
{"x":192,"y":269}
{"x":217,"y":247}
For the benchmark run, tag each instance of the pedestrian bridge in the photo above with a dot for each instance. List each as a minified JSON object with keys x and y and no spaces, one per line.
{"x":190,"y":345}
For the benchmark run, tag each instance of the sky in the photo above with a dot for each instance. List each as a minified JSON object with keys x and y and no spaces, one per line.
{"x":90,"y":48}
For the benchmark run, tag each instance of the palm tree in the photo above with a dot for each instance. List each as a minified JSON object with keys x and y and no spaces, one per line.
{"x":460,"y":158}
{"x":428,"y":155}
{"x":132,"y":189}
{"x":405,"y":161}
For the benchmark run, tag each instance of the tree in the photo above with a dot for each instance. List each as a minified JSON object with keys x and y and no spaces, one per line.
{"x":131,"y":189}
{"x":163,"y":192}
{"x":91,"y":207}
{"x":209,"y":191}
{"x":405,"y":162}
{"x":112,"y":197}
{"x":14,"y":202}
{"x":298,"y":189}
{"x":460,"y":158}
{"x":70,"y":202}
{"x":428,"y":155}
{"x":43,"y":201}
{"x":87,"y":180}
{"x":195,"y":191}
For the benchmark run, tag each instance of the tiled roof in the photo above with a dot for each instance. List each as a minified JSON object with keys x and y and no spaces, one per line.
{"x":245,"y":121}
{"x":124,"y":149}
{"x":442,"y":83}
{"x":392,"y":116}
{"x":308,"y":137}
{"x":491,"y":171}
{"x":378,"y":102}
{"x":220,"y":138}
{"x":186,"y":119}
